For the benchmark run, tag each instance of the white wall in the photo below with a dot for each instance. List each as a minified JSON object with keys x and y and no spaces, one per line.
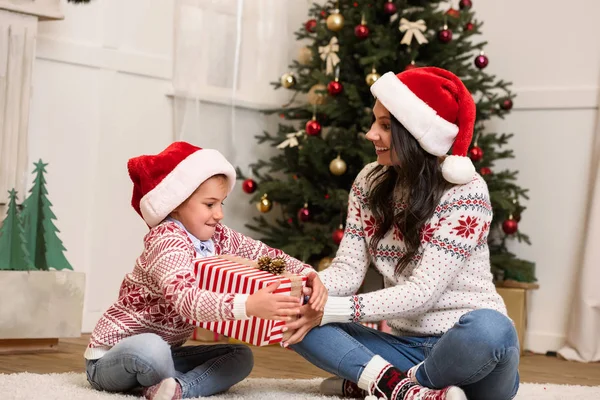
{"x":99,"y":97}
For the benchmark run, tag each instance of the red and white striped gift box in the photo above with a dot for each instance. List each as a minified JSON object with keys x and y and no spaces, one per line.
{"x":231,"y":274}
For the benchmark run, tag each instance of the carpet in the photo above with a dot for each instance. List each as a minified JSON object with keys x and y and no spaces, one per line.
{"x":26,"y":386}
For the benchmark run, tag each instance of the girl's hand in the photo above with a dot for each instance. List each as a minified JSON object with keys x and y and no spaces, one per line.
{"x":266,"y":305}
{"x":318,"y":292}
{"x":308,"y":320}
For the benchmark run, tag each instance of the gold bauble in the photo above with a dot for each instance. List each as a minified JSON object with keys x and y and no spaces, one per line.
{"x":335,"y":21}
{"x":318,"y":98}
{"x":264,"y":205}
{"x":288,"y":80}
{"x":337,"y":166}
{"x":372,"y":77}
{"x":324,"y":263}
{"x":305,"y":55}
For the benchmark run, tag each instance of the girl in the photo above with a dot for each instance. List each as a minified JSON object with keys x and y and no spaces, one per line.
{"x":422,"y":218}
{"x":138,"y":341}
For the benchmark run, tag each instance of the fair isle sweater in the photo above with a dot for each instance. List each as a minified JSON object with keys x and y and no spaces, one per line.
{"x":161,"y":292}
{"x":449,"y":276}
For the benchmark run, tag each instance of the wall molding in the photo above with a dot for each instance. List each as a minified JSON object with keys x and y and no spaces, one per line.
{"x":541,"y":342}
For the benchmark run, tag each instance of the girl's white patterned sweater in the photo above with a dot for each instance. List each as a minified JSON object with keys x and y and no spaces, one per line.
{"x":162,"y":292}
{"x":449,"y":276}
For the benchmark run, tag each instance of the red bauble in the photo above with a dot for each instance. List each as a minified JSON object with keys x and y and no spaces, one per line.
{"x":469,"y":26}
{"x":389,"y":8}
{"x":361,"y":31}
{"x":485,"y":171}
{"x":310,"y":25}
{"x":337,"y":235}
{"x":481,"y":61}
{"x":304,"y":214}
{"x":323,"y":14}
{"x":465,"y":4}
{"x":355,"y":4}
{"x":334,"y":88}
{"x":476,"y":153}
{"x":445,"y":35}
{"x":510,"y":226}
{"x":507,"y":104}
{"x":290,"y":221}
{"x":313,"y":127}
{"x":453,"y":13}
{"x":249,"y":186}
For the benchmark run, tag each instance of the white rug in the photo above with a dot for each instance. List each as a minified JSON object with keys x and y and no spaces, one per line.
{"x":26,"y":386}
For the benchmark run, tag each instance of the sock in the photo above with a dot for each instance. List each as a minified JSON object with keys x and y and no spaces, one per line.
{"x":167,"y":389}
{"x":340,"y":387}
{"x":412,"y":373}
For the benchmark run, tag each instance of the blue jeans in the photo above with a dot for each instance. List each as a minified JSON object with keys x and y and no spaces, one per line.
{"x":146,"y":359}
{"x":480,"y":354}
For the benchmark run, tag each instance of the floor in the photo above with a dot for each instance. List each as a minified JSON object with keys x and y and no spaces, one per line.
{"x":276,"y":362}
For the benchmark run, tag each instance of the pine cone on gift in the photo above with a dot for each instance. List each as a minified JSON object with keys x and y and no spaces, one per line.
{"x":277,"y":266}
{"x":264,"y":262}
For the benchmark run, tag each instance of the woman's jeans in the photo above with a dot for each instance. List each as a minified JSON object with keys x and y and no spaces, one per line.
{"x":480,"y":354}
{"x":146,"y":359}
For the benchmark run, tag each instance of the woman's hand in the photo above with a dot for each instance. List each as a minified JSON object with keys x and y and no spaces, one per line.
{"x":309,"y":318}
{"x":317,"y":292}
{"x":266,"y":305}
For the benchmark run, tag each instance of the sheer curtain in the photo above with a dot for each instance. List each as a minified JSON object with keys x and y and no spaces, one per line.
{"x":583,"y":335}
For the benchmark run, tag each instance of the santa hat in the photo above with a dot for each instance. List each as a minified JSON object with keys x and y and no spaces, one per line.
{"x":437,"y":109}
{"x":163,"y":181}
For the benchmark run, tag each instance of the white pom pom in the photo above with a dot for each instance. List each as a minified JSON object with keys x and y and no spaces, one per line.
{"x":458,"y":169}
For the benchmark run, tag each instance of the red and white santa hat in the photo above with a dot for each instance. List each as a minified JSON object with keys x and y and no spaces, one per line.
{"x":163,"y":181}
{"x":437,"y":109}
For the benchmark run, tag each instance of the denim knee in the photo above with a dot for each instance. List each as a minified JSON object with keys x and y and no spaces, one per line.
{"x":244,"y":360}
{"x":497,"y":328}
{"x":153,"y":353}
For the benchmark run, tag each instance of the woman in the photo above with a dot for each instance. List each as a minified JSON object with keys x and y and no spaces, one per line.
{"x":422,"y":218}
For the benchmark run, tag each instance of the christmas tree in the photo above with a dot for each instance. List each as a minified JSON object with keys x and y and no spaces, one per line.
{"x":321,"y":137}
{"x":42,"y":242}
{"x":13,"y":252}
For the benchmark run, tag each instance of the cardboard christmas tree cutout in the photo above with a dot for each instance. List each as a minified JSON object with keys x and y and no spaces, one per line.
{"x":13,"y":251}
{"x":43,"y":244}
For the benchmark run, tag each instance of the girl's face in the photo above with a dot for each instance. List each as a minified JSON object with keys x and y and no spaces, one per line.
{"x":381,"y":134}
{"x":201,"y":212}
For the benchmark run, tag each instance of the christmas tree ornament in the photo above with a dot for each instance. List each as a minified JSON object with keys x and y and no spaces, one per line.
{"x":291,"y":139}
{"x":337,"y":166}
{"x":372,"y":77}
{"x":413,"y":30}
{"x":249,"y":186}
{"x":469,"y":26}
{"x":304,"y":214}
{"x":465,"y":4}
{"x":335,"y":21}
{"x":288,"y":80}
{"x":476,"y":153}
{"x":305,"y":55}
{"x":485,"y":171}
{"x":510,"y":225}
{"x":410,"y":66}
{"x":310,"y":25}
{"x":338,"y":234}
{"x":481,"y":61}
{"x":323,"y":13}
{"x":454,"y":13}
{"x":507,"y":104}
{"x":362,"y":31}
{"x":335,"y":87}
{"x":390,"y":8}
{"x":445,"y":35}
{"x":317,"y":95}
{"x":313,"y":127}
{"x":324,"y":263}
{"x":329,"y":55}
{"x":264,"y":205}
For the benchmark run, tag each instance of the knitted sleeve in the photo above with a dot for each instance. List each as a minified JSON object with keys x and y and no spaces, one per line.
{"x":229,"y":241}
{"x":171,"y":268}
{"x":460,"y":224}
{"x":349,"y":267}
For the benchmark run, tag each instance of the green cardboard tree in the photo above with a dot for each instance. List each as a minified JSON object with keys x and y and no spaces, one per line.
{"x":13,"y":251}
{"x":42,"y":242}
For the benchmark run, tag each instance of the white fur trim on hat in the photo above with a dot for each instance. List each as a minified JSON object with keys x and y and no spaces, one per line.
{"x":434,"y":134}
{"x":458,"y":169}
{"x":182,"y":181}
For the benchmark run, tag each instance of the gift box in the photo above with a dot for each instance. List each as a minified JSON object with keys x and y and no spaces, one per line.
{"x":231,"y":274}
